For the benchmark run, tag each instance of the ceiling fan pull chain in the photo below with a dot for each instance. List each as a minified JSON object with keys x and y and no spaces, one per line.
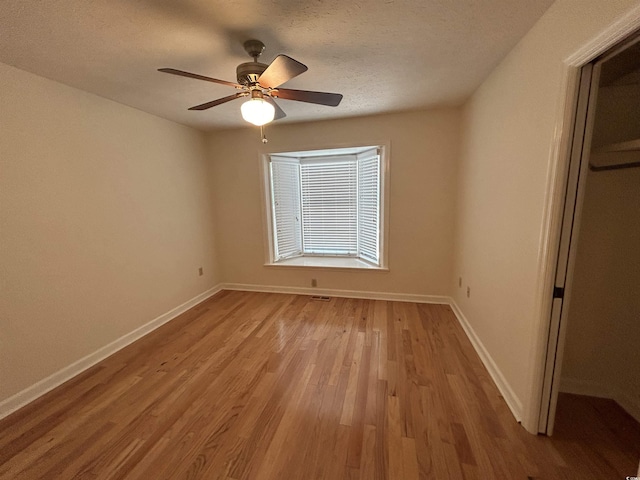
{"x":262,"y":134}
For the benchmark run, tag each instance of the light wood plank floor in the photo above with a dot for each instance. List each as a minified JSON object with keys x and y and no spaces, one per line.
{"x":267,"y":386}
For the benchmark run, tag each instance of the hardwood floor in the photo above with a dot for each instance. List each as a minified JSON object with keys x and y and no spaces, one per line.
{"x":267,"y":386}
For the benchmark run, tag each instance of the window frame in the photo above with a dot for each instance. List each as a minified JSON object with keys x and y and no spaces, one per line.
{"x":326,"y":261}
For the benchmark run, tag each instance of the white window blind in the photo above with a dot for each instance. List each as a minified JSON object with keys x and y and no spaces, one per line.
{"x":285,"y":188}
{"x":329,"y":206}
{"x":369,"y":206}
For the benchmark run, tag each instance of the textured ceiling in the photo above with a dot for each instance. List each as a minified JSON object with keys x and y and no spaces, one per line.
{"x":382,"y":55}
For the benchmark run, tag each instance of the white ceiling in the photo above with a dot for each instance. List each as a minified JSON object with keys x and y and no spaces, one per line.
{"x":382,"y":55}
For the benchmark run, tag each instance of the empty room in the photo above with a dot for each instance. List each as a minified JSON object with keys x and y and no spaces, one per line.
{"x":319,"y":239}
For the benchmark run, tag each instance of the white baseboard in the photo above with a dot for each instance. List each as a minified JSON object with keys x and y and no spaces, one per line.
{"x":396,"y":297}
{"x":581,"y":387}
{"x":512,"y":400}
{"x":45,"y":385}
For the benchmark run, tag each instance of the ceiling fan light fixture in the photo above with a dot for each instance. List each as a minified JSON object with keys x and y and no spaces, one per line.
{"x":261,"y":83}
{"x":257,"y":111}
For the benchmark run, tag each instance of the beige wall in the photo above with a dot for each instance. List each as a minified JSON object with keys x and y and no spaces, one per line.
{"x":423,"y":153}
{"x":105,"y":218}
{"x":602,"y":353}
{"x":508,"y":136}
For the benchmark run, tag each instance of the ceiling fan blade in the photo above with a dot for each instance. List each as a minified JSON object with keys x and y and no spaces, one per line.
{"x":282,"y":69}
{"x":219,"y":101}
{"x":173,"y":71}
{"x":279,"y":112}
{"x":321,"y":98}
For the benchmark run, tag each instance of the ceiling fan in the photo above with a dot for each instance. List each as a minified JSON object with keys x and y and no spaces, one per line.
{"x":261,"y":84}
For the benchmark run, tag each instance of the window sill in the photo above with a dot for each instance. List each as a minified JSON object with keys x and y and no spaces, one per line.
{"x":327,"y":262}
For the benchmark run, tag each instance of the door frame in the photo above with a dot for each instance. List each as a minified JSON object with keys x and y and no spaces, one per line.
{"x":569,"y":236}
{"x":560,"y":157}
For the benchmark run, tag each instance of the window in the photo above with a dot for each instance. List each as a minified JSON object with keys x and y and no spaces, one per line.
{"x":327,"y":204}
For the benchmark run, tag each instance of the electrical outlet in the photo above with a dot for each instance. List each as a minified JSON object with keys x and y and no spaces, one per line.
{"x":314,"y":282}
{"x":459,"y":281}
{"x":200,"y":271}
{"x":468,"y":291}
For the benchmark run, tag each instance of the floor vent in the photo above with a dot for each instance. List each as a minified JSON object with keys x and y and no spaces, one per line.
{"x":319,"y":298}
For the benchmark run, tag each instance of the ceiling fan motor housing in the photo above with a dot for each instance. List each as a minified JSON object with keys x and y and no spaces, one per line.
{"x":248,"y":73}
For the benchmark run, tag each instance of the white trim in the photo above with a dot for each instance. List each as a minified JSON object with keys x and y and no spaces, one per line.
{"x":620,"y":29}
{"x":47,"y":384}
{"x":327,"y":263}
{"x":549,"y":243}
{"x":393,"y":297}
{"x":592,"y":389}
{"x":617,"y":31}
{"x":510,"y":397}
